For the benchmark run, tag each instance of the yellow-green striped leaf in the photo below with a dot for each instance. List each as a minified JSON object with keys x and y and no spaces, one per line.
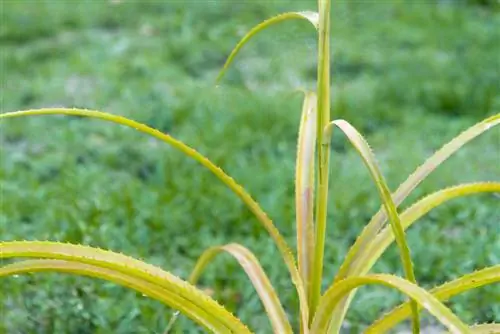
{"x":338,"y":291}
{"x":258,"y":277}
{"x":190,"y":152}
{"x":372,"y":252}
{"x":368,"y":158}
{"x":378,"y":220}
{"x":127,"y":271}
{"x":323,"y":154}
{"x":444,"y":292}
{"x":304,"y":186}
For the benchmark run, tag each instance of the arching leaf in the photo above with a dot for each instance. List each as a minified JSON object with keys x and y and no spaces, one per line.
{"x":377,"y":222}
{"x":312,"y":17}
{"x":258,"y":277}
{"x":337,"y":291}
{"x":368,"y":158}
{"x":372,"y":252}
{"x":444,"y":292}
{"x":190,"y":152}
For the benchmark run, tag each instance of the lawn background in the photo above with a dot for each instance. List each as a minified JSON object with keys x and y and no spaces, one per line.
{"x":409,"y":75}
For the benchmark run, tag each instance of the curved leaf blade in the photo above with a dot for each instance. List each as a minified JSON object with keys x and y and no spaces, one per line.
{"x":378,"y":220}
{"x":195,"y":313}
{"x":254,"y":207}
{"x":444,"y":292}
{"x":312,"y":17}
{"x":368,"y":158}
{"x":257,"y":276}
{"x":372,"y":252}
{"x":382,"y":241}
{"x":304,"y":187}
{"x":125,"y":265}
{"x":338,"y":291}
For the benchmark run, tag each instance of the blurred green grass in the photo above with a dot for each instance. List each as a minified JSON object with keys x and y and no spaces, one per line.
{"x":409,"y":75}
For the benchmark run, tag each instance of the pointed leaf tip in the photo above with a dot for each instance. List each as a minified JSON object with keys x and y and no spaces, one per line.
{"x":312,"y":17}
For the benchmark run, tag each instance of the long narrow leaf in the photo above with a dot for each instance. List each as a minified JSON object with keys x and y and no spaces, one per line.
{"x":304,"y":187}
{"x":127,"y":267}
{"x":258,"y":277}
{"x":368,"y":158}
{"x":146,"y":288}
{"x":312,"y":17}
{"x":379,"y":219}
{"x":444,"y":292}
{"x":372,"y":253}
{"x":323,"y":153}
{"x":337,"y":291}
{"x":190,"y":152}
{"x":369,"y":255}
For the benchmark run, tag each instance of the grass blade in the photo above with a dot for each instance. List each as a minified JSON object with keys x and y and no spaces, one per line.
{"x":369,"y":255}
{"x":379,"y":219}
{"x":444,"y":292}
{"x":368,"y":158}
{"x":339,"y":290}
{"x":258,"y":277}
{"x":304,"y":187}
{"x":312,"y":17}
{"x":323,"y":153}
{"x":144,"y":287}
{"x":181,"y":291}
{"x":190,"y":152}
{"x":382,"y":241}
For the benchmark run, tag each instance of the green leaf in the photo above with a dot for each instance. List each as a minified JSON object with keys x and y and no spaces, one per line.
{"x":258,"y":277}
{"x":304,"y":187}
{"x":323,"y":153}
{"x":127,"y":271}
{"x":338,"y":291}
{"x":368,"y":158}
{"x":379,"y":219}
{"x":444,"y":292}
{"x":369,"y":255}
{"x":312,"y":17}
{"x":190,"y":152}
{"x":372,"y":253}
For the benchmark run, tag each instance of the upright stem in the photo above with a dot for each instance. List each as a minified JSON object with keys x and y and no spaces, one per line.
{"x":323,"y":152}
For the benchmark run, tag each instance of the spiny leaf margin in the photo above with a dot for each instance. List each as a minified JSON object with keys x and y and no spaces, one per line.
{"x":444,"y":292}
{"x":257,"y":276}
{"x":446,"y":151}
{"x":328,"y":302}
{"x":254,"y":207}
{"x":369,"y":256}
{"x":127,"y":267}
{"x":372,"y":253}
{"x":366,"y":154}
